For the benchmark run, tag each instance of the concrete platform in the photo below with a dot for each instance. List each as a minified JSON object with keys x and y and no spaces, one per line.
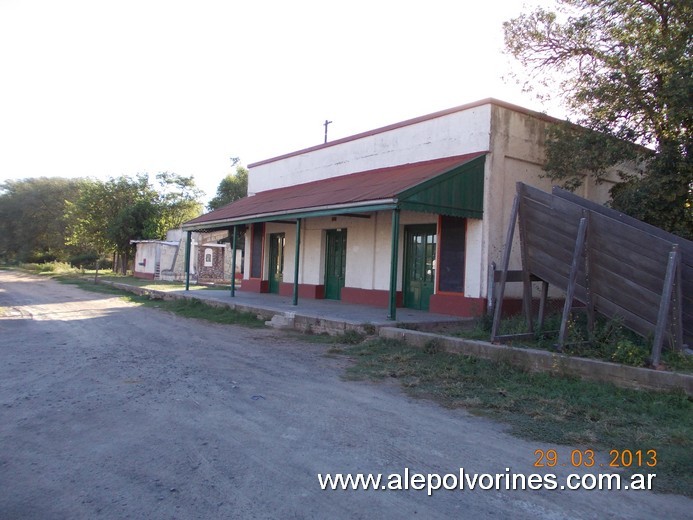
{"x":320,"y":315}
{"x":335,"y":317}
{"x":312,"y":315}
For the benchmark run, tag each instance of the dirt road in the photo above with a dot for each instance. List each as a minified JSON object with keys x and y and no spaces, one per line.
{"x":108,"y":410}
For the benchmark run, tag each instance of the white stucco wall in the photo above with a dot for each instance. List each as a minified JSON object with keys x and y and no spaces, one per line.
{"x":368,"y":248}
{"x":452,"y":134}
{"x":146,"y":253}
{"x":473,"y":261}
{"x":168,"y":255}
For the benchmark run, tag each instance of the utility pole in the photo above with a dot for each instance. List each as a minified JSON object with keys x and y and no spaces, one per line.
{"x":325,"y":125}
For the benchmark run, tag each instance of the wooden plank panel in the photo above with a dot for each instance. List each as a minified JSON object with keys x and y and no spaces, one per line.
{"x":559,"y":252}
{"x":530,"y":192}
{"x":603,"y":260}
{"x":638,"y":259}
{"x":627,"y":294}
{"x":512,"y":276}
{"x":685,"y":246}
{"x":549,"y":233}
{"x":537,"y":256}
{"x":550,"y":225}
{"x":636,"y":251}
{"x":632,"y":321}
{"x":548,"y":273}
{"x":630,"y":238}
{"x":568,"y":208}
{"x":558,"y":222}
{"x":559,"y":265}
{"x":560,"y":281}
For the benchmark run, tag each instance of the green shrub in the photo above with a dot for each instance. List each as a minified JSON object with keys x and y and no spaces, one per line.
{"x":629,"y":353}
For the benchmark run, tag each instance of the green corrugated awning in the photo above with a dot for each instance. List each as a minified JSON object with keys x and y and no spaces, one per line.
{"x":456,"y":193}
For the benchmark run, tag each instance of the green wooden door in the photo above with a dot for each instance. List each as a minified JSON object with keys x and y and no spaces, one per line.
{"x":335,"y":263}
{"x":276,"y":261}
{"x":419,"y":265}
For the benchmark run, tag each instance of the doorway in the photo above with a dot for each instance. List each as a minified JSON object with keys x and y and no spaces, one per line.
{"x":335,"y":263}
{"x":419,"y":265}
{"x":276,"y":261}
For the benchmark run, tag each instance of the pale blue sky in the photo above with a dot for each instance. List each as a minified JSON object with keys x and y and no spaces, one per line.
{"x":103,"y":88}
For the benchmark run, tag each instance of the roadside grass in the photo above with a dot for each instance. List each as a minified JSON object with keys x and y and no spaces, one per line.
{"x":62,"y":269}
{"x":50,"y":268}
{"x":611,"y":340}
{"x":194,"y":309}
{"x":542,"y":407}
{"x":161,"y":285}
{"x":197,"y":309}
{"x":338,"y":341}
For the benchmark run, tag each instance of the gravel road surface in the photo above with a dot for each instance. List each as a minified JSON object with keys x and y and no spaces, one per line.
{"x":112,"y":411}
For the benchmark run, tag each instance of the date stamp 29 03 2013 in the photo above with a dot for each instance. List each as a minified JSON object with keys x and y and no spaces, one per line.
{"x":586,"y":459}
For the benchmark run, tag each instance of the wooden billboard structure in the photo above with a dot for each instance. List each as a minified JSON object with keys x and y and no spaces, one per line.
{"x":612,"y":264}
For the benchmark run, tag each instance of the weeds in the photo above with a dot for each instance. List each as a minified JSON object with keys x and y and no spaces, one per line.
{"x":50,"y":267}
{"x":610,"y":340}
{"x":197,"y":309}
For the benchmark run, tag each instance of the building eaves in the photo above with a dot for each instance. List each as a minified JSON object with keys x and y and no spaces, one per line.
{"x":370,"y":190}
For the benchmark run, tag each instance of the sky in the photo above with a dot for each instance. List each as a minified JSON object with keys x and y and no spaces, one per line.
{"x":97,"y":88}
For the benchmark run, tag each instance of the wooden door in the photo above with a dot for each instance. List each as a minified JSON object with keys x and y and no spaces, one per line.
{"x":276,"y":261}
{"x":335,"y":263}
{"x":419,"y":265}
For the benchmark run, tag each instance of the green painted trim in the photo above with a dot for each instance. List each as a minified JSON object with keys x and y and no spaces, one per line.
{"x":296,"y":258}
{"x":187,"y":260}
{"x":440,"y":210}
{"x":458,"y":192}
{"x":392,"y":314}
{"x":298,"y":214}
{"x":233,"y":264}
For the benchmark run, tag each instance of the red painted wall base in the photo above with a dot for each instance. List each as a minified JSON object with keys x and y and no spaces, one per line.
{"x":305,"y":290}
{"x":374,"y":297}
{"x":145,"y":276}
{"x":457,"y":305}
{"x":255,"y":285}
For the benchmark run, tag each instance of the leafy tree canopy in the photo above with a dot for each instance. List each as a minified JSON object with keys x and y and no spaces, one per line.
{"x":624,"y":69}
{"x":32,"y":218}
{"x":107,"y":215}
{"x":231,"y":187}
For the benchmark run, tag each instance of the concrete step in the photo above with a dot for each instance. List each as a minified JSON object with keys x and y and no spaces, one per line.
{"x":282,"y":321}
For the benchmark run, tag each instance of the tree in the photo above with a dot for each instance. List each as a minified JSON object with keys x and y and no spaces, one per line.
{"x":32,"y":218}
{"x":178,"y":201}
{"x":108,"y":215}
{"x":623,"y":69}
{"x":231,"y":187}
{"x":105,"y":215}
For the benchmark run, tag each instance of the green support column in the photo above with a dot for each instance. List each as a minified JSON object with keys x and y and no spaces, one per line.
{"x":296,"y":257}
{"x":188,"y":239}
{"x":393,"y":265}
{"x":233,"y":264}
